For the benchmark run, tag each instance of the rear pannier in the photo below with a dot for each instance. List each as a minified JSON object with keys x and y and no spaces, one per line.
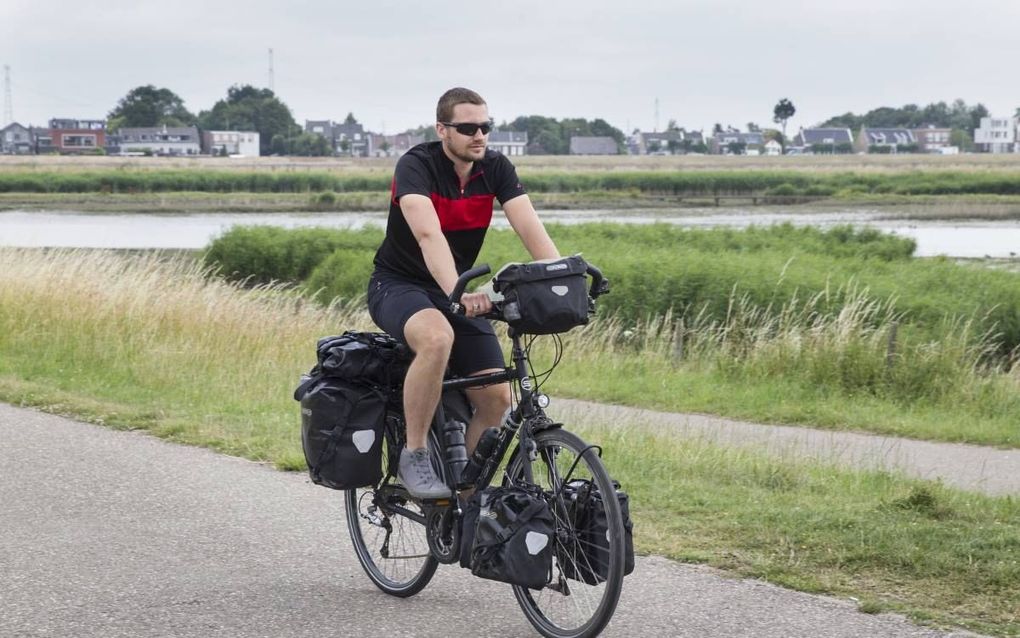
{"x":343,"y":407}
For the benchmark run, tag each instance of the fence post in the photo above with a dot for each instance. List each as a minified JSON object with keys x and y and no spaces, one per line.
{"x":890,"y":350}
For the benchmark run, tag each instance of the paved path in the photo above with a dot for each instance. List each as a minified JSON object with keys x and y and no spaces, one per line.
{"x":109,"y":534}
{"x":970,"y":467}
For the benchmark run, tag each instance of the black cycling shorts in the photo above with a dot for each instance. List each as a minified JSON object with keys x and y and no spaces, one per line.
{"x":392,"y":300}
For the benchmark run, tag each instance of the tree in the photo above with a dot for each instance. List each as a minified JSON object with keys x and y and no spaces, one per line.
{"x":146,"y":106}
{"x":247,"y":108}
{"x":753,"y":128}
{"x":736,"y":148}
{"x":350,"y":118}
{"x":782,"y":112}
{"x":961,"y":139}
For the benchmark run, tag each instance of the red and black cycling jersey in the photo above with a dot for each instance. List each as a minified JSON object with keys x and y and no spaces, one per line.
{"x":464,"y":215}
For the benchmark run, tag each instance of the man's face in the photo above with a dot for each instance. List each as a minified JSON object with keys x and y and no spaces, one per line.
{"x":467,"y":148}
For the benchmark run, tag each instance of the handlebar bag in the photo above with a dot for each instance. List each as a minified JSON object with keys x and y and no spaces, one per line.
{"x":586,"y":556}
{"x":544,"y":297}
{"x":508,"y":536}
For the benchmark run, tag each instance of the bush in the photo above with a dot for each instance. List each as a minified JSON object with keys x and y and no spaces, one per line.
{"x":262,"y":254}
{"x":342,"y":276}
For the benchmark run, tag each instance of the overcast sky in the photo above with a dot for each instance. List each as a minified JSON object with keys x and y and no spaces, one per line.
{"x":387,"y":62}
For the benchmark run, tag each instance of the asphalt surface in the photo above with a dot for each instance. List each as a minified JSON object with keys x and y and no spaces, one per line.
{"x":108,"y":534}
{"x":970,"y":467}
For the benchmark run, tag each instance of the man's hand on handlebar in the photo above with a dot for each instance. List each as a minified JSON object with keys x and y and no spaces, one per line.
{"x":475,"y":303}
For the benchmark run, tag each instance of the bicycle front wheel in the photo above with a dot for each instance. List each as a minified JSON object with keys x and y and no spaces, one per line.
{"x":388,"y":533}
{"x":587,"y":574}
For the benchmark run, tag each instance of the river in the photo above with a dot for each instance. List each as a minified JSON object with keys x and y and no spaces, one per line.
{"x":974,"y":239}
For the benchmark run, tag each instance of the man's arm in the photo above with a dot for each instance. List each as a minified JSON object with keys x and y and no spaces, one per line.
{"x":525,"y":222}
{"x":421,"y":216}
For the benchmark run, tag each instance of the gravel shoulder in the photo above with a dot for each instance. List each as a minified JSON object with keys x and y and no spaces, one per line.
{"x":969,"y":467}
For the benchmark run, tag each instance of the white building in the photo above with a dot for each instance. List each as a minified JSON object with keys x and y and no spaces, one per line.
{"x":998,"y":134}
{"x":244,"y":143}
{"x":161,"y":140}
{"x":509,"y":142}
{"x":773,"y":148}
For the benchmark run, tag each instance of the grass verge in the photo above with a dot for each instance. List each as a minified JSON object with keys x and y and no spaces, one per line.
{"x":140,"y":342}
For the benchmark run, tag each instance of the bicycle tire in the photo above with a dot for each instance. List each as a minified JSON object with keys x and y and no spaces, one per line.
{"x":585,"y":609}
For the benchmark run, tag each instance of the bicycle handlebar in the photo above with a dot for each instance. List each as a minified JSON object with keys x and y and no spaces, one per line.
{"x":462,"y":282}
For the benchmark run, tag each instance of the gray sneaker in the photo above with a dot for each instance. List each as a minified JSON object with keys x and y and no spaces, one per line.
{"x":416,"y":474}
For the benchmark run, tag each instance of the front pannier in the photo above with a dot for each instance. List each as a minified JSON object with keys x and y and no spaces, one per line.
{"x":508,"y":536}
{"x":544,"y":297}
{"x":586,"y":558}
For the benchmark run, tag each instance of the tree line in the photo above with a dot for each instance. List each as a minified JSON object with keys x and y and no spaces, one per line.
{"x":249,"y":108}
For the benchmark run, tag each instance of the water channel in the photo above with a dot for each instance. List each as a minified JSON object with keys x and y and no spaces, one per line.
{"x":964,"y":239}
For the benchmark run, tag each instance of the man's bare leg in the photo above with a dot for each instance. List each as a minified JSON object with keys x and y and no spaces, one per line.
{"x":490,"y":403}
{"x":430,"y":336}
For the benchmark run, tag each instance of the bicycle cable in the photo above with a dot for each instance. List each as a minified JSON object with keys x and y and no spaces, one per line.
{"x":542,"y":377}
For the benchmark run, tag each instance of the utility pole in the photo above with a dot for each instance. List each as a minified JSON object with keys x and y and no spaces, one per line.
{"x":271,"y":80}
{"x":8,"y":101}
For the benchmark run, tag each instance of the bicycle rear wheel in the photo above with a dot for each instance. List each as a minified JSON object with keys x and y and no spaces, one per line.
{"x":388,"y":533}
{"x":586,"y":582}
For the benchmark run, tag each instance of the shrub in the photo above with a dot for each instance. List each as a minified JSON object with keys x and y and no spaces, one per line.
{"x":267,"y":253}
{"x":342,"y":276}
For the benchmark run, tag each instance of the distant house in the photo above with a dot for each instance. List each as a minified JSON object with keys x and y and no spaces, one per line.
{"x":509,"y":142}
{"x":884,"y":138}
{"x":346,"y":138}
{"x":673,"y":142}
{"x":998,"y":135}
{"x":931,"y":139}
{"x":244,"y":143}
{"x":593,"y":145}
{"x":392,"y":145}
{"x":823,"y":136}
{"x":77,"y":136}
{"x":160,"y":140}
{"x":725,"y":143}
{"x":664,"y":143}
{"x":42,"y":140}
{"x":773,"y":148}
{"x":16,"y":139}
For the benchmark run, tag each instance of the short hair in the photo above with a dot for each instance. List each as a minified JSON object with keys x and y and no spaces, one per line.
{"x":453,"y":97}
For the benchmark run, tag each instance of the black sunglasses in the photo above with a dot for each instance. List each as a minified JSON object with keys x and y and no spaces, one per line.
{"x":469,"y":128}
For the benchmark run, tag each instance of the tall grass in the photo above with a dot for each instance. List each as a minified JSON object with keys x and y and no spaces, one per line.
{"x":148,"y":342}
{"x":661,"y":268}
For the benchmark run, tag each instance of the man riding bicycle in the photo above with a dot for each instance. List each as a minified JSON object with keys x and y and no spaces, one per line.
{"x":440,"y":210}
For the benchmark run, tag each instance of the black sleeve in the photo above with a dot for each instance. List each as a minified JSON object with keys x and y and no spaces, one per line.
{"x":506,"y":184}
{"x":411,"y":177}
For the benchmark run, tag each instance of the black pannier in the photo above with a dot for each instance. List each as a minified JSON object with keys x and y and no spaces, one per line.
{"x":587,"y":557}
{"x":343,"y":407}
{"x":508,"y":536}
{"x":342,"y":432}
{"x":373,"y":358}
{"x":544,"y":297}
